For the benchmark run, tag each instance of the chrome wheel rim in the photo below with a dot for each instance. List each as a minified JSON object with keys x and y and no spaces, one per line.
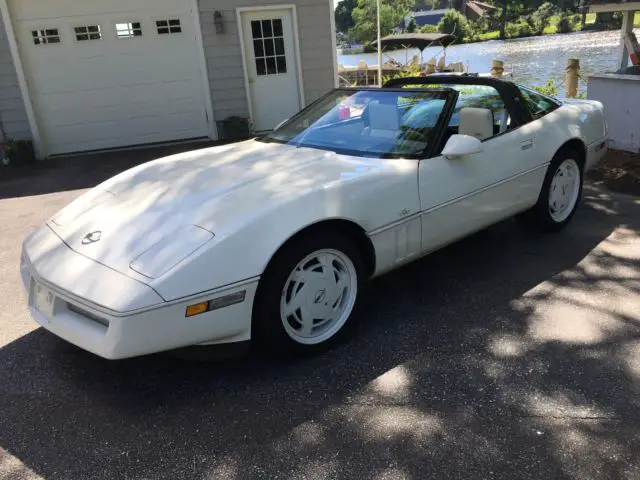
{"x":318,"y":296}
{"x":564,"y":190}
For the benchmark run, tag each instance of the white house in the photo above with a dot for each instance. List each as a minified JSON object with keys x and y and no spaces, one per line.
{"x":97,"y":74}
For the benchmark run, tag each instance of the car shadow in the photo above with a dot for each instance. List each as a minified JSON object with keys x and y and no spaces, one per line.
{"x":453,"y":373}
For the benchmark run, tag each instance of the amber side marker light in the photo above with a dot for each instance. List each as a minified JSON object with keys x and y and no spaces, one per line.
{"x":215,"y":304}
{"x":196,"y":309}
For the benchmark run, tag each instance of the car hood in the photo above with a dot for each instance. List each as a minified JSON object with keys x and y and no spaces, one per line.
{"x":185,"y":201}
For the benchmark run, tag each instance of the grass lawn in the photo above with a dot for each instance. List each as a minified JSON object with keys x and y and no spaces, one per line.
{"x":551,"y":28}
{"x":489,"y":36}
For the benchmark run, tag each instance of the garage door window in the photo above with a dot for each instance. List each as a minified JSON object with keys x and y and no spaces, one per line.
{"x":89,"y":32}
{"x":128,"y":30}
{"x":43,"y":37}
{"x":167,"y":27}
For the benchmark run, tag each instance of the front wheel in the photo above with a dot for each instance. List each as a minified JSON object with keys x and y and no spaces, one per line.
{"x":559,"y":196}
{"x":308,"y":295}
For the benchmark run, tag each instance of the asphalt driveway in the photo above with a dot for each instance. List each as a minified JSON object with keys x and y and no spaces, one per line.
{"x":502,"y":356}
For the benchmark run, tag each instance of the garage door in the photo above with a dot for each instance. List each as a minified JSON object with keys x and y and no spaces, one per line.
{"x":111,"y":73}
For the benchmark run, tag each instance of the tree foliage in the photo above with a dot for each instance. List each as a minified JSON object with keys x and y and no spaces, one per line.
{"x":456,"y":23}
{"x":521,"y":28}
{"x":343,"y":14}
{"x":542,"y":16}
{"x":365,"y":17}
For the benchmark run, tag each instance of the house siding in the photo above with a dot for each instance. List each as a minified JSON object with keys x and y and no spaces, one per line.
{"x":13,"y":115}
{"x":224,"y":58}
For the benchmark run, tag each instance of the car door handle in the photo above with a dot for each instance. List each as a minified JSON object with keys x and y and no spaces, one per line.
{"x":526,"y":144}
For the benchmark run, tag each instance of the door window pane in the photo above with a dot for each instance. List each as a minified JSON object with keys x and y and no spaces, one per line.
{"x":271,"y":66}
{"x":258,"y":48}
{"x":256,"y":30}
{"x":277,"y":27}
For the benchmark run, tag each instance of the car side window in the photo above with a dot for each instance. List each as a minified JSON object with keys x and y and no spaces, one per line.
{"x":538,"y":105}
{"x":481,"y":96}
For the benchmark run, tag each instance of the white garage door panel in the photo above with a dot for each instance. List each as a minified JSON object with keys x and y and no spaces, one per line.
{"x":136,"y":110}
{"x":103,"y":135}
{"x":113,"y":91}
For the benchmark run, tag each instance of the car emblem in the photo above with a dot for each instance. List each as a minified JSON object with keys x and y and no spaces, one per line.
{"x":320,"y":296}
{"x":92,"y":237}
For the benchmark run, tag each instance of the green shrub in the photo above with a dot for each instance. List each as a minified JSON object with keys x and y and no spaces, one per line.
{"x":429,"y":29}
{"x":456,"y":23}
{"x":518,"y":29}
{"x":548,"y":88}
{"x":542,"y":16}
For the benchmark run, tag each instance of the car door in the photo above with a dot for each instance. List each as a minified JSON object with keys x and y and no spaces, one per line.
{"x":462,"y":195}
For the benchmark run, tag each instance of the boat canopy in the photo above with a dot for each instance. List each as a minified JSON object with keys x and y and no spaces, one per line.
{"x":416,"y":40}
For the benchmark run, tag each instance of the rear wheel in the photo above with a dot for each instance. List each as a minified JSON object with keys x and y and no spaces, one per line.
{"x":308,"y":294}
{"x":559,"y":196}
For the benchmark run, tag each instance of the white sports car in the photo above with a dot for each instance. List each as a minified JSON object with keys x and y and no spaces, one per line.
{"x":270,"y":239}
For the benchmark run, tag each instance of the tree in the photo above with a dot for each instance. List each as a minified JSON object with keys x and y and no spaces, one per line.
{"x":503,"y":19}
{"x":343,"y":14}
{"x":542,"y":16}
{"x":412,"y":26}
{"x":364,"y":17}
{"x":456,"y":23}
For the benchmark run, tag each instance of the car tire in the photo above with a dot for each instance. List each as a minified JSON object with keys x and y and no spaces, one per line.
{"x":560,"y":194}
{"x":307,"y":297}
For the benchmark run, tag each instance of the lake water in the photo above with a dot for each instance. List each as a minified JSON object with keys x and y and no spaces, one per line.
{"x":531,"y":60}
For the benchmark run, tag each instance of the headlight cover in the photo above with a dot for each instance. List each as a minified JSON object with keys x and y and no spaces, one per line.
{"x":171,"y":250}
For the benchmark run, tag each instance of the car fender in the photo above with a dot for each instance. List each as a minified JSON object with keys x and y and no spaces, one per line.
{"x":243,"y":252}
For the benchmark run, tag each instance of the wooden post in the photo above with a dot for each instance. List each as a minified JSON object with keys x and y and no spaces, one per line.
{"x":627,"y":28}
{"x":571,"y":77}
{"x":497,"y":68}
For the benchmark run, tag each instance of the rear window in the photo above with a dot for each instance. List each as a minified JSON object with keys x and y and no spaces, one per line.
{"x":537,"y":104}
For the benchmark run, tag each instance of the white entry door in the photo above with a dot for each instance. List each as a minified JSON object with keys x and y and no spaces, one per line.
{"x":105,"y":74}
{"x":270,"y":51}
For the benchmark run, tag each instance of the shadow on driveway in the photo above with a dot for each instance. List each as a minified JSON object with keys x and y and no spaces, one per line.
{"x":503,"y":356}
{"x":61,"y":174}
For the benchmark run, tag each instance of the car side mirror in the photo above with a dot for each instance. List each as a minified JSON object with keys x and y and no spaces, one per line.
{"x":461,"y":145}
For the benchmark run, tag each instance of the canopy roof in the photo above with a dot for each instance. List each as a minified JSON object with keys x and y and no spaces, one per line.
{"x":416,"y":40}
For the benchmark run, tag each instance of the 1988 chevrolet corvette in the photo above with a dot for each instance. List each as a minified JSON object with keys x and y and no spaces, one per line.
{"x":271,"y":238}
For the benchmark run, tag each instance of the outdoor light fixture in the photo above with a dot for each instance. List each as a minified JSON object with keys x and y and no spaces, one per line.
{"x":218,"y":21}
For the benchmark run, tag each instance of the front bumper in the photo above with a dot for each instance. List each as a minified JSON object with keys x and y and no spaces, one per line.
{"x":78,"y":314}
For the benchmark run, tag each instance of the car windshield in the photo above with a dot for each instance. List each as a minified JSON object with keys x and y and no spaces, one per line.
{"x":366,"y":122}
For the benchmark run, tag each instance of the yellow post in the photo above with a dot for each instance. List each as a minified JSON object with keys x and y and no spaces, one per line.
{"x":571,"y":77}
{"x":497,"y":68}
